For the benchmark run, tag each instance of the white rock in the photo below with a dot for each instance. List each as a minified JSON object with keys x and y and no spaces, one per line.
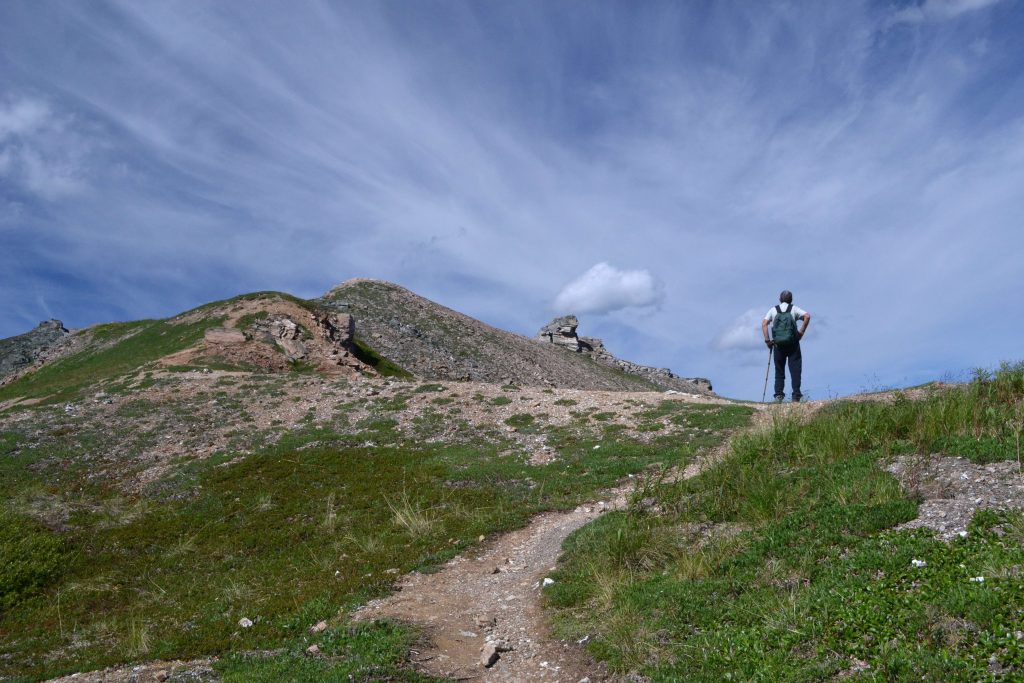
{"x":318,"y":627}
{"x":919,"y":563}
{"x":489,"y":655}
{"x":977,"y":579}
{"x":245,"y":622}
{"x":547,"y":581}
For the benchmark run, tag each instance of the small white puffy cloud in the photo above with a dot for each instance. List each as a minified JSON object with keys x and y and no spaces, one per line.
{"x":742,"y":334}
{"x":938,"y":10}
{"x":605,"y":288}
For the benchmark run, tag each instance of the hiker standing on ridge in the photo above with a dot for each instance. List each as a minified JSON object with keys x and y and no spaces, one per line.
{"x":785,"y":342}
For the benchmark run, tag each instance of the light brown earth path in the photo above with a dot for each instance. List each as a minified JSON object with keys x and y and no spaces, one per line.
{"x":494,"y":597}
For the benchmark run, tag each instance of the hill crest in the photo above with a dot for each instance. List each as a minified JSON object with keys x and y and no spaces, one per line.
{"x":436,"y":342}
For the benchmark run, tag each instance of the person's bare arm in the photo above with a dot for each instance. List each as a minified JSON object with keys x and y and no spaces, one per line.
{"x":807,"y":321}
{"x":764,"y":331}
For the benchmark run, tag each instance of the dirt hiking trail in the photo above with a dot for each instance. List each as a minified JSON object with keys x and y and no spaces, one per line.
{"x":489,"y":602}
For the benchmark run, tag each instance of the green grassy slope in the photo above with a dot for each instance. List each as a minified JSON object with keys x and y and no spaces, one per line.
{"x":140,"y":342}
{"x":779,"y":564}
{"x":295,"y":532}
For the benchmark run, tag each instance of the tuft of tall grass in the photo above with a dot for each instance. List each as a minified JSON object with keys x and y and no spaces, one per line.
{"x":410,"y":516}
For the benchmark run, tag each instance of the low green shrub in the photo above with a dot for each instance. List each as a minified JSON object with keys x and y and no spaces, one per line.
{"x":31,"y":558}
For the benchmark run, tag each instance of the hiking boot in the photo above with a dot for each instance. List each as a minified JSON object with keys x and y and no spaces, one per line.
{"x":779,"y":399}
{"x":796,"y":399}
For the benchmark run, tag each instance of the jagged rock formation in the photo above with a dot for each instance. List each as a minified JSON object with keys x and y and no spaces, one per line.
{"x":25,"y":351}
{"x":435,"y":342}
{"x":562,"y":333}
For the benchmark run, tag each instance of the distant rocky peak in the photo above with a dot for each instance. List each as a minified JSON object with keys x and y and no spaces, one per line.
{"x":52,"y":327}
{"x":19,"y":353}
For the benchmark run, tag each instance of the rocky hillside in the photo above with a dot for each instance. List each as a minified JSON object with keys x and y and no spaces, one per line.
{"x":21,"y":353}
{"x":435,"y":342}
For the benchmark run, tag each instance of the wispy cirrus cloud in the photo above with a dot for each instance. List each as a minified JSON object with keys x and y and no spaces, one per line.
{"x":164,"y":154}
{"x":937,"y":10}
{"x":39,"y":150}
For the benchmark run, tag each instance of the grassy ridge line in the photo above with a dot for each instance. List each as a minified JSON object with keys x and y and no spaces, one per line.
{"x":118,"y":348}
{"x":144,"y":341}
{"x":779,"y":563}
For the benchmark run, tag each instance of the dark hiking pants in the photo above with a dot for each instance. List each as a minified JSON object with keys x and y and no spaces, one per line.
{"x":792,"y":354}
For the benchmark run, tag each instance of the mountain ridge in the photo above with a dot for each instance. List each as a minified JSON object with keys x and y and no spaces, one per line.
{"x":362,"y":325}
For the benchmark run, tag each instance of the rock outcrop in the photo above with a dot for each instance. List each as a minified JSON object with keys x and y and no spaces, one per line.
{"x":562,"y":333}
{"x":25,"y":351}
{"x":287,"y":334}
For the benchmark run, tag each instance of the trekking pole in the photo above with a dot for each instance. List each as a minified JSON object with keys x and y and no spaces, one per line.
{"x":766,"y":370}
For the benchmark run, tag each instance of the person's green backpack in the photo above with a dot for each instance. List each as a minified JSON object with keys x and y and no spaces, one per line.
{"x":784,"y":327}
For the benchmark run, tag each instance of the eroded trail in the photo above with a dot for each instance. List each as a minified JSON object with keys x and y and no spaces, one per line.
{"x":493,"y":597}
{"x":491,"y":600}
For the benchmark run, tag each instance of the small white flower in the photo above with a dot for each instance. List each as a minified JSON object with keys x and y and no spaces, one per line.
{"x":245,"y":622}
{"x":919,"y":563}
{"x":963,"y":534}
{"x":977,"y":579}
{"x":597,"y":446}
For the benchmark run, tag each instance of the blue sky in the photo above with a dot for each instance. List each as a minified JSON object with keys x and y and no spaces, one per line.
{"x":662,"y":170}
